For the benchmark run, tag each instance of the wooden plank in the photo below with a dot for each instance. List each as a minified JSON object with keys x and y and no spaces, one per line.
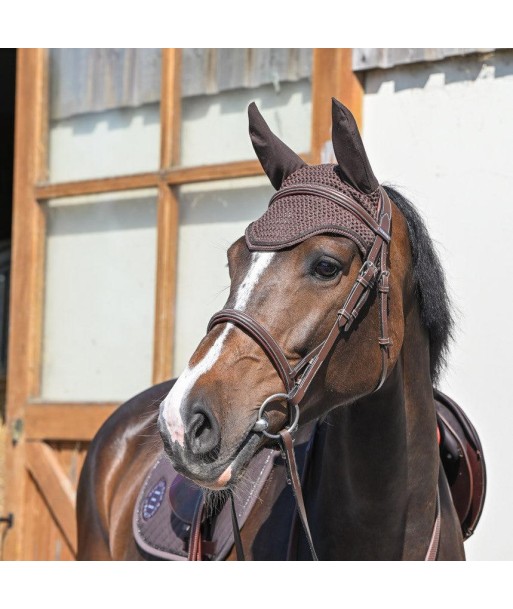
{"x":56,"y":488}
{"x":95,"y":186}
{"x":174,"y":176}
{"x":45,"y":539}
{"x":167,"y":218}
{"x":38,"y":267}
{"x":165,"y":289}
{"x":28,"y":233}
{"x":61,"y":421}
{"x":221,"y":171}
{"x":170,"y":106}
{"x":332,"y":76}
{"x":368,"y":59}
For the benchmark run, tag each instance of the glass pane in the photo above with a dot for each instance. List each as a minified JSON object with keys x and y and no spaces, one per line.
{"x":212,"y":216}
{"x":104,"y":112}
{"x":99,"y":296}
{"x":219,"y":84}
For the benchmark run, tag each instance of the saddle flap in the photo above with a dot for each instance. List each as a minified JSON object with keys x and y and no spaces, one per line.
{"x":462,"y":456}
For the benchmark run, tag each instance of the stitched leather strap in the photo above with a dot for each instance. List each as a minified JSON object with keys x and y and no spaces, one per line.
{"x":195,"y":539}
{"x":336,"y":197}
{"x":239,"y":549}
{"x":290,"y":460}
{"x":262,"y":337}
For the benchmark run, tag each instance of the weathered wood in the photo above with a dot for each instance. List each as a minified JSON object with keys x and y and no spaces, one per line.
{"x":368,"y":59}
{"x":332,"y":76}
{"x":55,"y":486}
{"x":60,"y":421}
{"x":122,"y":78}
{"x":211,"y":71}
{"x":28,"y":234}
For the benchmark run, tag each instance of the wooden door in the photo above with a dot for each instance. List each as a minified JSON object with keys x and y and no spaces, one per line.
{"x":47,"y":435}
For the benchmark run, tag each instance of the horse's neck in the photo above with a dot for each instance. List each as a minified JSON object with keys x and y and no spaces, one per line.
{"x":373,"y":475}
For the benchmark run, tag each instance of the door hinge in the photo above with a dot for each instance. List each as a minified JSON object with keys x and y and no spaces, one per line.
{"x":9,"y":519}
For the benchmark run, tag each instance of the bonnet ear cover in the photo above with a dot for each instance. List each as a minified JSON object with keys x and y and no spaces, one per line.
{"x":277,"y":159}
{"x":349,"y":151}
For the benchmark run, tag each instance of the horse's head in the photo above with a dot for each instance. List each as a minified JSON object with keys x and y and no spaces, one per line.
{"x":296,"y":267}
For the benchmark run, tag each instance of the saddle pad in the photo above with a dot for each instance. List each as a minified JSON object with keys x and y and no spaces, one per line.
{"x":166,"y":504}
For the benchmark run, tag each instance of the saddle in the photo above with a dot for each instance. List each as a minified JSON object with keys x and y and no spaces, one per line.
{"x":462,"y":458}
{"x":168,"y":503}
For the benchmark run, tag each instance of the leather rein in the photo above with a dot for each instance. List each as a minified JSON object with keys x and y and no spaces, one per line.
{"x":297,"y":379}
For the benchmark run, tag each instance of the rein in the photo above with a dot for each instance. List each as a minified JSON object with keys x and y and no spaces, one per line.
{"x":297,"y":379}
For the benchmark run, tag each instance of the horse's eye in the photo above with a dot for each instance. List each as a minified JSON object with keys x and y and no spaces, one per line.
{"x":326,"y":269}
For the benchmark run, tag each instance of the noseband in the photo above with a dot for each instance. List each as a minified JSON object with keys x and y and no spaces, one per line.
{"x":297,"y":379}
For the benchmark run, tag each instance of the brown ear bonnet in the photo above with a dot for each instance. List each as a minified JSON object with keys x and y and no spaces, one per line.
{"x":294,"y":213}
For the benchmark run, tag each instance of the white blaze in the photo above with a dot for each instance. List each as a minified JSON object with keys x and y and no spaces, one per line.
{"x":170,"y":407}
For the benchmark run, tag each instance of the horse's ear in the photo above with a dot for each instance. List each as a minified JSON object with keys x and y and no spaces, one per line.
{"x":349,"y":150}
{"x":277,"y":159}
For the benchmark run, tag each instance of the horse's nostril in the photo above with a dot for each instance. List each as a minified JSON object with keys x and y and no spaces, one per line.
{"x":203,"y":432}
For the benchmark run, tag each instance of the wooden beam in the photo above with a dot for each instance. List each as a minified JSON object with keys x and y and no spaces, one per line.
{"x":165,"y":289}
{"x":96,"y":186}
{"x":60,"y":421}
{"x":175,"y":176}
{"x":25,"y":303}
{"x":332,"y":76}
{"x":221,"y":171}
{"x":170,"y":107}
{"x":167,"y":218}
{"x":206,"y":173}
{"x":55,"y":487}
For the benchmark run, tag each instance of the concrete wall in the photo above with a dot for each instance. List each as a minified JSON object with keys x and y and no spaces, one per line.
{"x":443,"y":133}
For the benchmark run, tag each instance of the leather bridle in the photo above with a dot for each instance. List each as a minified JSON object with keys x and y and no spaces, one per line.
{"x":297,"y":379}
{"x":373,"y":271}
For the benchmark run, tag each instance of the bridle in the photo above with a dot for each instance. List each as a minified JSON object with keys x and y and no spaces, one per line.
{"x":373,"y":271}
{"x":297,"y":379}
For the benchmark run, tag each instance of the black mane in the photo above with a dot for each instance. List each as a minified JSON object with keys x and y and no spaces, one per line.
{"x":429,"y":278}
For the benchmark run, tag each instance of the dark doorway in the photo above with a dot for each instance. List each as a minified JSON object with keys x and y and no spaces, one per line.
{"x":7,"y":95}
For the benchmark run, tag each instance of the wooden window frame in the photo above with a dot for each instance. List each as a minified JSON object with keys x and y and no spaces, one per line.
{"x":32,"y":421}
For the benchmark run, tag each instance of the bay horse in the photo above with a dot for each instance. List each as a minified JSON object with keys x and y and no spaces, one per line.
{"x":374,"y":483}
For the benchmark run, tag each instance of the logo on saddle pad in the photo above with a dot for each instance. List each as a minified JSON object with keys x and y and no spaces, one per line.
{"x":153,"y":499}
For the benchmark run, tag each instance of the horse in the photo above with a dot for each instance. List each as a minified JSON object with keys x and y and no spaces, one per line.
{"x":374,"y":486}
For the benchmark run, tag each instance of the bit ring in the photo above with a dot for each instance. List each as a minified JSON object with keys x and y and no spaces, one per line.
{"x":262,"y":422}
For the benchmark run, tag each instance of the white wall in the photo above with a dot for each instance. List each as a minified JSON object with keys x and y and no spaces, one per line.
{"x":443,"y":134}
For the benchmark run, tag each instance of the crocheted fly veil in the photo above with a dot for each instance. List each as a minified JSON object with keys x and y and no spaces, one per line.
{"x":295,"y":213}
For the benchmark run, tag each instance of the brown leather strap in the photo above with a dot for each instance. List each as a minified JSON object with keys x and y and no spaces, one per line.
{"x":195,"y":550}
{"x":336,"y":197}
{"x":239,"y":549}
{"x":290,"y":460}
{"x":434,"y":543}
{"x":262,"y":337}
